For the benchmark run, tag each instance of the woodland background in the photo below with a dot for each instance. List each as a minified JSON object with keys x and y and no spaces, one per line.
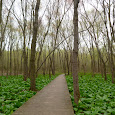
{"x":55,"y":37}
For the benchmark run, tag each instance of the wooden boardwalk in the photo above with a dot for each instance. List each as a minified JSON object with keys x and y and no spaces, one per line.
{"x":54,"y":99}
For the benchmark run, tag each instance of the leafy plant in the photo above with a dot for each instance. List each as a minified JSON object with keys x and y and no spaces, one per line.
{"x":14,"y":91}
{"x":97,"y":95}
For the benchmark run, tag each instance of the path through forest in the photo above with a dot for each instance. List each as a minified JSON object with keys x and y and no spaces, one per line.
{"x":54,"y":99}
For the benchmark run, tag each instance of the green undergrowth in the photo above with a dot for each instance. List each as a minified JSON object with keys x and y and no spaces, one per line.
{"x":97,"y":95}
{"x":14,"y":91}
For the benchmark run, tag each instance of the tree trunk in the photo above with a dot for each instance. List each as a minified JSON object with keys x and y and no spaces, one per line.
{"x":2,"y":65}
{"x":38,"y":61}
{"x":8,"y":61}
{"x":0,"y":11}
{"x":11,"y":60}
{"x":15,"y":67}
{"x":0,"y":33}
{"x":25,"y":72}
{"x":49,"y":70}
{"x":112,"y":65}
{"x":109,"y":41}
{"x":75,"y":54}
{"x":98,"y":66}
{"x":17,"y":72}
{"x":112,"y":57}
{"x":33,"y":48}
{"x":21,"y":66}
{"x":44,"y":65}
{"x":53,"y":63}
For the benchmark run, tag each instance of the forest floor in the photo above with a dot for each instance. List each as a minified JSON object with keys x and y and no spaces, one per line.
{"x":97,"y":96}
{"x":14,"y":91}
{"x":54,"y":99}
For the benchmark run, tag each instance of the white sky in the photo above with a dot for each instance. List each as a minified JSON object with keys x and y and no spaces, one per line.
{"x":44,"y":4}
{"x":17,"y":7}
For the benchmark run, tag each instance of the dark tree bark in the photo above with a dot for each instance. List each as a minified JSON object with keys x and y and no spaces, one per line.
{"x":0,"y":33}
{"x":33,"y":48}
{"x":15,"y":64}
{"x":44,"y":66}
{"x":0,"y":11}
{"x":109,"y":40}
{"x":17,"y":72}
{"x":8,"y":60}
{"x":11,"y":46}
{"x":93,"y":60}
{"x":53,"y":63}
{"x":113,"y":40}
{"x":21,"y":66}
{"x":75,"y":54}
{"x":49,"y":63}
{"x":49,"y":70}
{"x":113,"y":68}
{"x":98,"y":66}
{"x":25,"y":72}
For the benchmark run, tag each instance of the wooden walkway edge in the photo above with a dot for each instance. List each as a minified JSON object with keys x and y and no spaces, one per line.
{"x":54,"y":99}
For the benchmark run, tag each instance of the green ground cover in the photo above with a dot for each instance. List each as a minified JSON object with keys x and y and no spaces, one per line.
{"x":97,"y":95}
{"x":14,"y":91}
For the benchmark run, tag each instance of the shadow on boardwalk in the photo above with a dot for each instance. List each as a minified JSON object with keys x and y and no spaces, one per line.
{"x":54,"y":99}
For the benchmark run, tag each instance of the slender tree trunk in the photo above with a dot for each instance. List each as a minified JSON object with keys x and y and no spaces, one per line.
{"x":8,"y":60}
{"x":17,"y":72}
{"x":109,"y":41}
{"x":53,"y":63}
{"x":71,"y":60}
{"x":98,"y":66}
{"x":1,"y":11}
{"x":112,"y":66}
{"x":15,"y":63}
{"x":67,"y":62}
{"x":103,"y":63}
{"x":50,"y":64}
{"x":25,"y":72}
{"x":38,"y":61}
{"x":64,"y":65}
{"x":104,"y":71}
{"x":0,"y":34}
{"x":2,"y":61}
{"x":49,"y":70}
{"x":11,"y":60}
{"x":44,"y":66}
{"x":113,"y":40}
{"x":33,"y":48}
{"x":21,"y":66}
{"x":75,"y":54}
{"x":15,"y":67}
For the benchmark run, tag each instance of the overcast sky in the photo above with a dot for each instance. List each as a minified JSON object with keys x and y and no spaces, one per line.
{"x":45,"y":2}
